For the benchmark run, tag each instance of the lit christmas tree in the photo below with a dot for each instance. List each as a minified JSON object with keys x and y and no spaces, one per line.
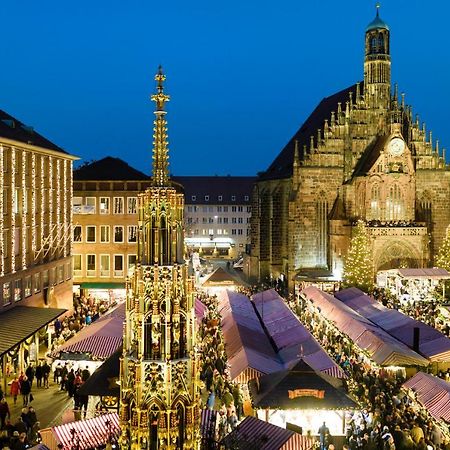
{"x":443,"y":256}
{"x":358,"y":265}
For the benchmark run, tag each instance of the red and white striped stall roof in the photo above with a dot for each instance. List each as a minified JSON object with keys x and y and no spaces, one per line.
{"x":266,"y":436}
{"x":88,"y":433}
{"x":432,"y":393}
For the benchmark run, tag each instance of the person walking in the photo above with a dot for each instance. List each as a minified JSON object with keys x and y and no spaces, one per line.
{"x":45,"y":374}
{"x":15,"y":389}
{"x":25,"y":390}
{"x":323,"y":433}
{"x":4,"y":412}
{"x":30,"y":374}
{"x":39,"y":375}
{"x":85,"y":374}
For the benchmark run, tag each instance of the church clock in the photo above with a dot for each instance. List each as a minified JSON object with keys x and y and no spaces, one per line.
{"x":396,"y":146}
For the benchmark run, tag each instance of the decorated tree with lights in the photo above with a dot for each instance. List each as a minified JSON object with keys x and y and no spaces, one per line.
{"x":358,"y":264}
{"x":443,"y":256}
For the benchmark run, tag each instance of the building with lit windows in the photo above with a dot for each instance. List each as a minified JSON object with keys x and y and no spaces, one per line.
{"x":35,"y":218}
{"x":105,"y":224}
{"x":361,"y":155}
{"x":217,"y":214}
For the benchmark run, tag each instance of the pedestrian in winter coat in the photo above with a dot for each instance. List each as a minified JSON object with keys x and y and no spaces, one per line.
{"x":25,"y":390}
{"x":15,"y":388}
{"x":4,"y":412}
{"x":30,"y":374}
{"x":39,"y":375}
{"x":46,"y":373}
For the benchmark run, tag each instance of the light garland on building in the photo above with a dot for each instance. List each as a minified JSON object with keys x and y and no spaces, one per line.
{"x":69,"y":204}
{"x":42,"y":200}
{"x":64,"y":207}
{"x":58,"y":206}
{"x":13,"y":210}
{"x":24,"y":211}
{"x":50,"y":202}
{"x":2,"y":242}
{"x":33,"y":203}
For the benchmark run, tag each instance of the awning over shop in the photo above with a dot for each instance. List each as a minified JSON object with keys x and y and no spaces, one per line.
{"x":21,"y":322}
{"x":91,"y":433}
{"x":382,"y":348}
{"x":103,"y":382}
{"x":434,"y":273}
{"x":291,"y":338}
{"x":432,"y":393}
{"x":265,"y":436}
{"x":102,"y":285}
{"x":100,"y":339}
{"x":432,"y":343}
{"x":299,"y":388}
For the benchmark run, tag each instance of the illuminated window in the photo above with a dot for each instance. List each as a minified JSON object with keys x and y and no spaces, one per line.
{"x":118,"y":205}
{"x":7,"y":293}
{"x":394,"y":204}
{"x":104,"y":233}
{"x":375,"y":202}
{"x":77,"y":264}
{"x":132,"y":205}
{"x":104,"y":265}
{"x":132,"y":233}
{"x":90,"y":205}
{"x":37,"y":282}
{"x":118,"y":233}
{"x":27,"y":286}
{"x":90,"y":233}
{"x":104,"y":205}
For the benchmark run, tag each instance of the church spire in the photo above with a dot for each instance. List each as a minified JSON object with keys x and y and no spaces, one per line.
{"x":160,"y":175}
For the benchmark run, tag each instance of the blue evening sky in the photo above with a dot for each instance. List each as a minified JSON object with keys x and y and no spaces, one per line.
{"x":243,"y":74}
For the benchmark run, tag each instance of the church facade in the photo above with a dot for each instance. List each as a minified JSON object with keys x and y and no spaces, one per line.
{"x":361,"y":154}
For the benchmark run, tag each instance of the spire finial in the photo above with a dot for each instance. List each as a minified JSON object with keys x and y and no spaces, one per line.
{"x":377,"y":5}
{"x":160,"y":146}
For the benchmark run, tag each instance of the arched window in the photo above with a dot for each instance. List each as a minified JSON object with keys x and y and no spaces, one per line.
{"x":381,"y":44}
{"x":154,"y":418}
{"x":181,"y":426}
{"x":375,"y":212}
{"x":395,"y":208}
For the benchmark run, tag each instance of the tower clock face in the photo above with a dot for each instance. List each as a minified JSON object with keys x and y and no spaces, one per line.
{"x":396,"y":146}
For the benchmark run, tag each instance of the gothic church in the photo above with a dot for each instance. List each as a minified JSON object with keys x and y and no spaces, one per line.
{"x":360,"y":155}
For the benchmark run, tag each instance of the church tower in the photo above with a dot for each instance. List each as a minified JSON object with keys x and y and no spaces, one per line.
{"x":377,"y":64}
{"x":159,"y":369}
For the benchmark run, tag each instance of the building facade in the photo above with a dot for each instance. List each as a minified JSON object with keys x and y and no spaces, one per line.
{"x":159,"y":379}
{"x":35,"y":218}
{"x":361,"y":154}
{"x":217,"y":214}
{"x":105,"y":224}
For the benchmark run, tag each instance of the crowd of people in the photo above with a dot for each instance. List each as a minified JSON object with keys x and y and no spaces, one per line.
{"x":86,"y":310}
{"x":389,"y":420}
{"x":221,"y":394}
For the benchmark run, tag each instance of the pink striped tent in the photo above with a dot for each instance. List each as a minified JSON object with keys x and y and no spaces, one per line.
{"x":292,"y":339}
{"x":98,"y":340}
{"x":255,"y":433}
{"x":82,"y":434}
{"x":200,"y":311}
{"x":432,"y":343}
{"x":432,"y":393}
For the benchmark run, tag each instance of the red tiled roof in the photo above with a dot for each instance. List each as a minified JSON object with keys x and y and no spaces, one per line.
{"x":89,"y":433}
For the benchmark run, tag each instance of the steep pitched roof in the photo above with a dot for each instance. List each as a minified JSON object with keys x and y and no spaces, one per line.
{"x":214,"y":187}
{"x":12,"y":128}
{"x":108,"y":168}
{"x":281,"y":167}
{"x":370,"y":156}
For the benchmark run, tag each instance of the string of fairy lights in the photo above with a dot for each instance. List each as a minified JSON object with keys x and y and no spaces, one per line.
{"x":24,"y":211}
{"x":13,"y":209}
{"x":33,"y":203}
{"x":2,"y":236}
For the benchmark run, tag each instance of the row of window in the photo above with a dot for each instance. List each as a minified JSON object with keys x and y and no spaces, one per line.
{"x":194,"y":208}
{"x":219,"y":231}
{"x":20,"y":203}
{"x":220,"y":220}
{"x":105,"y":233}
{"x":105,"y":206}
{"x":32,"y":284}
{"x":102,"y":263}
{"x":220,"y":198}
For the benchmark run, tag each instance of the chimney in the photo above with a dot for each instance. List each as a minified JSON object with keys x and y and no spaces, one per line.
{"x":416,"y":339}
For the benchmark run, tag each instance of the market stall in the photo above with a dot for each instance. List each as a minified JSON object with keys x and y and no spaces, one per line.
{"x":425,"y":339}
{"x":303,"y":397}
{"x":412,"y":285}
{"x":219,"y":280}
{"x":291,"y":338}
{"x":379,"y":348}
